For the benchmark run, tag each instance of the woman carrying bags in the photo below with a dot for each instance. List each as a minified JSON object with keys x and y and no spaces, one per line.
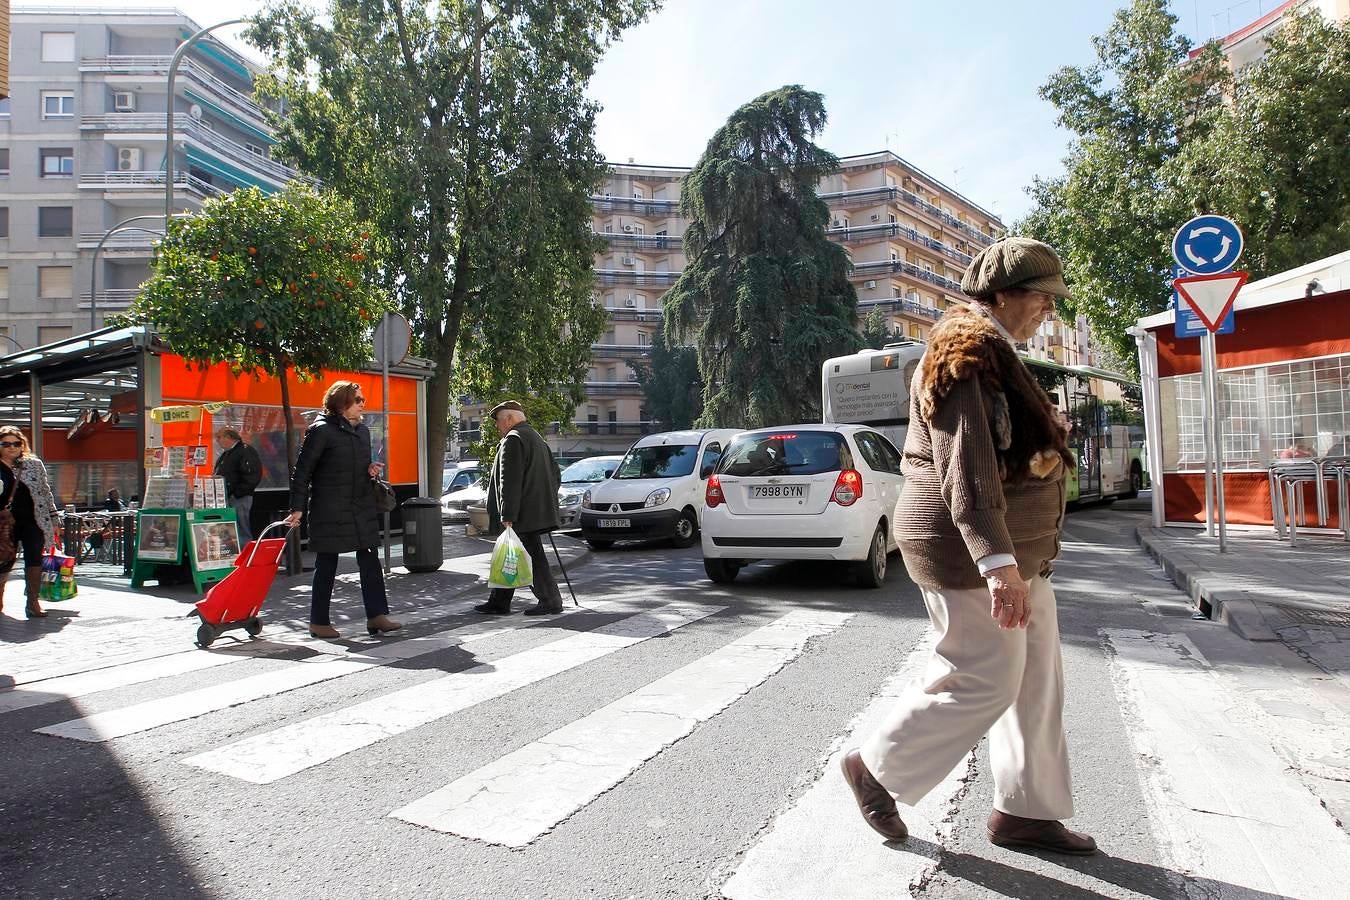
{"x":27,"y":495}
{"x":333,"y":478}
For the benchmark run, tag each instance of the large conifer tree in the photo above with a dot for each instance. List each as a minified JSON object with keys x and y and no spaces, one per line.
{"x":765,"y":296}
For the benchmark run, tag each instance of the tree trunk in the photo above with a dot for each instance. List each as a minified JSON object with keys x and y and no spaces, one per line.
{"x":438,"y":421}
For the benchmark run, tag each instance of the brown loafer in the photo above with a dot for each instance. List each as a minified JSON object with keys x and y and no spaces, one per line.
{"x":382,"y":625}
{"x":1007,"y":830}
{"x":874,"y":802}
{"x":324,"y":632}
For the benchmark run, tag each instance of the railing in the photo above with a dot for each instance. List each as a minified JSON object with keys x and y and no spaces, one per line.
{"x":945,"y":217}
{"x":625,"y":429}
{"x":98,"y":537}
{"x":619,"y":351}
{"x":633,"y":314}
{"x":159,"y":65}
{"x":860,"y":233}
{"x":649,"y":208}
{"x":603,"y":388}
{"x":152,"y":123}
{"x":907,"y":268}
{"x":637,"y":279}
{"x":867,"y":196}
{"x":113,"y":298}
{"x":146,"y":180}
{"x":121,"y":240}
{"x":642,"y":242}
{"x":900,"y":304}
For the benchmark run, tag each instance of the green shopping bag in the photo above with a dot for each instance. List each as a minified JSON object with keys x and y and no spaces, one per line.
{"x":510,"y":566}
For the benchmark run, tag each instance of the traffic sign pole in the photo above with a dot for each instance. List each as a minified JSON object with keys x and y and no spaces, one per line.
{"x":1214,"y":498}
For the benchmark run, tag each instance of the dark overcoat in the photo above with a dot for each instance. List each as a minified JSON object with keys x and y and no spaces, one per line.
{"x":523,"y":489}
{"x":332,"y":481}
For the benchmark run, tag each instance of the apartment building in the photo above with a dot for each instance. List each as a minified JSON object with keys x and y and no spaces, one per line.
{"x":1247,"y":44}
{"x":82,"y":149}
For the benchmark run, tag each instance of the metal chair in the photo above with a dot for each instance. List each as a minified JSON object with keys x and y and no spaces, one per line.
{"x":1286,"y":478}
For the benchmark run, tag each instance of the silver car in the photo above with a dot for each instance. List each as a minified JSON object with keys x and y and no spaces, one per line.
{"x":576,"y":480}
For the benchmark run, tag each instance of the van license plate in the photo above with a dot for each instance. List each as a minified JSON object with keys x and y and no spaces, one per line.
{"x":777,"y":491}
{"x":614,"y":523}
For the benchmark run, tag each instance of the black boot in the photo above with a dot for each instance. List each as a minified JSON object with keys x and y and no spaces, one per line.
{"x":493,"y":609}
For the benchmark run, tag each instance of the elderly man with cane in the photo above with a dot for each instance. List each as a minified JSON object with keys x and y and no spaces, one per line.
{"x":523,"y":494}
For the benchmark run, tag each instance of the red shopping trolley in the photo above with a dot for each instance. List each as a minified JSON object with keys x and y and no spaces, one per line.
{"x":235,"y":600}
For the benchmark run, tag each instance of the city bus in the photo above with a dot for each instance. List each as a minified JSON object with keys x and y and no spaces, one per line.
{"x":1105,"y":423}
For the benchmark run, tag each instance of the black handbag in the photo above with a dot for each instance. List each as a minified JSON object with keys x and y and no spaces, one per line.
{"x":385,"y":500}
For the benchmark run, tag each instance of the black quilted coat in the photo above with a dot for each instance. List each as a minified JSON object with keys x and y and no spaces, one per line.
{"x":332,"y":480}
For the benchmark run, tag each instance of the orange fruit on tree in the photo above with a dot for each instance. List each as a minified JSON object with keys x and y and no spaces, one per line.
{"x":258,"y":282}
{"x":252,"y":251}
{"x":293,"y":287}
{"x":258,"y":324}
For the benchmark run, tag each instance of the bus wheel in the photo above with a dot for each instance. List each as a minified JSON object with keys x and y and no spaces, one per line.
{"x":1136,"y":482}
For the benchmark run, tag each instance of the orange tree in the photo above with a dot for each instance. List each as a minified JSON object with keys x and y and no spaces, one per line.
{"x":270,"y":284}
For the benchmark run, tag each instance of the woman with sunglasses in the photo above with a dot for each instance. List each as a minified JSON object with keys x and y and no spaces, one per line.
{"x":332,"y":478}
{"x":27,"y":495}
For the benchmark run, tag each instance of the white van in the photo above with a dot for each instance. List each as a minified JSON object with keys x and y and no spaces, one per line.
{"x":656,"y":491}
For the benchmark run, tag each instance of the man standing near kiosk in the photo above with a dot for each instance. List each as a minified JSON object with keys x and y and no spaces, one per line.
{"x":241,"y":468}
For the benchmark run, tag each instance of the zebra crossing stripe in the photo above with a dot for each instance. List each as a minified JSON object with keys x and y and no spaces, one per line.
{"x":188,"y":705}
{"x":820,"y":846}
{"x":268,"y":757}
{"x":1223,"y":804}
{"x":524,"y":794}
{"x":66,"y":686}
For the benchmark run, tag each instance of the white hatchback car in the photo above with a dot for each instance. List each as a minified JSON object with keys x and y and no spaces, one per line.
{"x":656,"y":491}
{"x":803,"y":492}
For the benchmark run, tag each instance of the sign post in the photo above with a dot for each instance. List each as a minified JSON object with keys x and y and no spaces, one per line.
{"x":1207,"y":247}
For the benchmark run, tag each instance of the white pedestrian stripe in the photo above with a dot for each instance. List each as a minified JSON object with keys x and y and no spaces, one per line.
{"x":1223,"y":804}
{"x":67,"y":686}
{"x":276,"y":754}
{"x":524,"y":794}
{"x":821,"y":847}
{"x":190,"y":704}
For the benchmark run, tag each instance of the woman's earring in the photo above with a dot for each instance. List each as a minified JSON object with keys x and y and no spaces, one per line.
{"x":1002,"y":303}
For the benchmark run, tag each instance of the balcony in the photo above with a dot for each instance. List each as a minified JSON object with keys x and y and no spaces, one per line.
{"x":632,"y":314}
{"x":117,"y":298}
{"x":900,"y":267}
{"x":900,"y":305}
{"x":632,"y":278}
{"x":858,"y":234}
{"x":620,"y":351}
{"x":872,"y":196}
{"x":613,"y":388}
{"x":643,"y":243}
{"x":946,"y":218}
{"x":623,"y":429}
{"x":153,"y":124}
{"x":147,"y":183}
{"x":652,"y":209}
{"x":122,"y":240}
{"x":159,"y":66}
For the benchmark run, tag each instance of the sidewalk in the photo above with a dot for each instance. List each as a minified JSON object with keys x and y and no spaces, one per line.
{"x":1265,"y":590}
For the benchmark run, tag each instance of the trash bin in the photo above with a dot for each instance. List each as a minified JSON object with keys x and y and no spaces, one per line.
{"x":423,"y":548}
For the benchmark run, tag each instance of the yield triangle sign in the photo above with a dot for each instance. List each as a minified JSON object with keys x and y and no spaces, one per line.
{"x":1211,"y":296}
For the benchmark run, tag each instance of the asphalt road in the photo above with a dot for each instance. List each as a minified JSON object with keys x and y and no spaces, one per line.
{"x":128,"y":815}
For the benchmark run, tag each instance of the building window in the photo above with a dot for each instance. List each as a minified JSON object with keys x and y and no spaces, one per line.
{"x":55,"y":282}
{"x":56,"y":221}
{"x":4,"y":221}
{"x":58,"y":104}
{"x":4,"y":162}
{"x":255,"y":149}
{"x":58,"y":46}
{"x":56,"y":162}
{"x":50,"y":334}
{"x":643,"y":340}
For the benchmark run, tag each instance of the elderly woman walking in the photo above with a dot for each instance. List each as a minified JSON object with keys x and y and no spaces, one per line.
{"x":978,"y":524}
{"x":26,"y":495}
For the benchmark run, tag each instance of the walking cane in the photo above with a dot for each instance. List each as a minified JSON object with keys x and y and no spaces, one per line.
{"x":558,"y":557}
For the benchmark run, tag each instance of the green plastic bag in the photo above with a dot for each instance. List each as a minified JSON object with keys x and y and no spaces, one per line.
{"x":510,"y":566}
{"x":58,"y":576}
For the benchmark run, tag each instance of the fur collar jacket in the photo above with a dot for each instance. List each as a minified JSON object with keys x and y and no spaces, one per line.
{"x":1028,"y":435}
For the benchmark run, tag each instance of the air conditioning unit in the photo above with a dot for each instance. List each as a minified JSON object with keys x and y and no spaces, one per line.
{"x":629,"y":261}
{"x":876,"y":217}
{"x":124,"y":101}
{"x":632,"y":376}
{"x":637,"y":195}
{"x":628,"y":229}
{"x":631,"y":302}
{"x":838,"y":223}
{"x":195,"y":112}
{"x":128,"y":159}
{"x":869,"y":285}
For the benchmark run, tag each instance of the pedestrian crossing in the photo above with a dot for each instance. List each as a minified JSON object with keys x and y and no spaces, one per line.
{"x":1208,"y":760}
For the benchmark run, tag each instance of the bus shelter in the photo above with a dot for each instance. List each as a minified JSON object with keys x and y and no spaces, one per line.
{"x":86,"y":405}
{"x":1284,"y":394}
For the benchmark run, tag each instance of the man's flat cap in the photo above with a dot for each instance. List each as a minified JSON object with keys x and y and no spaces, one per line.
{"x":1015,"y":262}
{"x":505,"y":404}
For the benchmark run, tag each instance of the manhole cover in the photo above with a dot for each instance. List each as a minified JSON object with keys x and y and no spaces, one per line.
{"x":1325,"y":618}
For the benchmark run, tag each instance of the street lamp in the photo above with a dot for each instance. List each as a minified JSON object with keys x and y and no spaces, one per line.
{"x":124,"y":225}
{"x":17,"y":345}
{"x":168,"y":116}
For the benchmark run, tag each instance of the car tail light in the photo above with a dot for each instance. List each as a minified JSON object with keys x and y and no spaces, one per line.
{"x":847,"y":488}
{"x":713,"y":495}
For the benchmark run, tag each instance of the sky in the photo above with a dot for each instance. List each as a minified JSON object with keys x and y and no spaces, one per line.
{"x":952,"y":86}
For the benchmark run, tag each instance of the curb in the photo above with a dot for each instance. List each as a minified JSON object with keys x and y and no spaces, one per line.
{"x":1208,"y":590}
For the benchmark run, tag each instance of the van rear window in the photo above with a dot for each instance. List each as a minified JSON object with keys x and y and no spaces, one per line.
{"x":786,"y":453}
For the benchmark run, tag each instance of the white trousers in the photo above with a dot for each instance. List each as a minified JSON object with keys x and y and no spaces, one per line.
{"x":982,"y":679}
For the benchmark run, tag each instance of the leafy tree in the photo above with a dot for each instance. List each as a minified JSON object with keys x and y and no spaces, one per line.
{"x":462,"y":129}
{"x":1112,"y":214}
{"x":543,"y":415}
{"x":765,"y":296}
{"x":268,"y":284}
{"x":876,"y":332}
{"x":670,"y":380}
